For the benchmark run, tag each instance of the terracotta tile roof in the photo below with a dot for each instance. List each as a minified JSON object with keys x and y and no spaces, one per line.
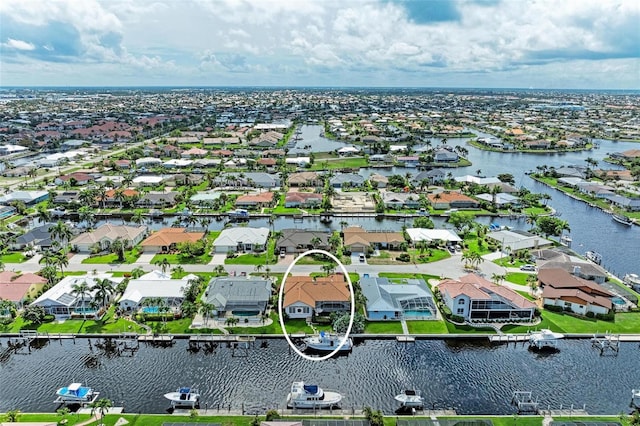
{"x":262,"y":197}
{"x":561,"y":279}
{"x":445,"y":197}
{"x":167,"y":236}
{"x":309,"y":291}
{"x":479,"y":288}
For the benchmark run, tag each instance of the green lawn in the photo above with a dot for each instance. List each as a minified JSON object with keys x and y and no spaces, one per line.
{"x":383,"y":327}
{"x":427,"y":327}
{"x":339,"y":163}
{"x":178,"y":259}
{"x":107,"y":325}
{"x":13,"y":258}
{"x":519,"y":278}
{"x":627,"y":322}
{"x":130,"y":256}
{"x":391,"y":275}
{"x":248,"y":259}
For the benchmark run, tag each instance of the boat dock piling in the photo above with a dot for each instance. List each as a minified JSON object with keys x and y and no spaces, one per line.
{"x":508,"y":338}
{"x":609,"y":343}
{"x":524,"y":401}
{"x":157,"y":339}
{"x":239,"y":345}
{"x":128,"y":342}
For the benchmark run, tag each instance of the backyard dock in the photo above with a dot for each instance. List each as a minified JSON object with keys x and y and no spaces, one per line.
{"x":508,"y":338}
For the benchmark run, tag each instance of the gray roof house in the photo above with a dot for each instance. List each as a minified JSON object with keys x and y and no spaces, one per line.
{"x":300,"y":240}
{"x":397,"y":299}
{"x":157,"y":199}
{"x":249,"y":179}
{"x":445,"y":156}
{"x":400,"y":200}
{"x":432,"y":176}
{"x":238,"y":295}
{"x":241,"y":239}
{"x":347,"y":180}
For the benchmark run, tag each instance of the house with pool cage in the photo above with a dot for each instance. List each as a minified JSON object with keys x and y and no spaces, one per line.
{"x":396,"y":299}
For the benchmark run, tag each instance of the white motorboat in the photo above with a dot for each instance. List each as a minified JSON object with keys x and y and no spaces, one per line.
{"x":594,"y":256}
{"x":326,"y":342}
{"x":410,"y":398}
{"x":544,"y":338}
{"x":75,"y":393}
{"x":622,"y":219}
{"x":635,"y":398}
{"x":183,"y":397}
{"x":311,"y":396}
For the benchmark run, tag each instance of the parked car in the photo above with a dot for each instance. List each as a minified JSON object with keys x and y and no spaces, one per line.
{"x":528,"y":268}
{"x":361,"y":258}
{"x":283,"y":253}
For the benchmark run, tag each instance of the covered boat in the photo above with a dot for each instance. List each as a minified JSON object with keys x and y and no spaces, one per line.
{"x":75,"y":393}
{"x":326,"y":342}
{"x":311,"y":396}
{"x":544,"y":338}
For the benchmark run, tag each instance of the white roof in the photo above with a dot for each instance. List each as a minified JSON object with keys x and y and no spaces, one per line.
{"x":233,"y":236}
{"x":394,"y":148}
{"x":155,"y":284}
{"x":180,"y":162}
{"x":297,"y":160}
{"x":148,"y":160}
{"x":61,"y":293}
{"x":147,"y":179}
{"x":477,"y":179}
{"x":422,"y":234}
{"x":348,"y":149}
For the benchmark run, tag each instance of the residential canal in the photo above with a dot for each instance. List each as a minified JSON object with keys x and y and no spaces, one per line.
{"x":470,"y":377}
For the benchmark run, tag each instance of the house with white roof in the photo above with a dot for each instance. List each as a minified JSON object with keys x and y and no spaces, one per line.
{"x":147,"y":180}
{"x":518,"y":240}
{"x":63,"y":302}
{"x":27,"y":197}
{"x":429,"y":235}
{"x":148,"y":161}
{"x":241,"y":239}
{"x":106,"y":234}
{"x":397,"y":299}
{"x":154,"y":286}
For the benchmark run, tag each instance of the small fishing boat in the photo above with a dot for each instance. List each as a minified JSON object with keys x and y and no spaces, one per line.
{"x":184,"y":397}
{"x":622,"y":219}
{"x":75,"y":393}
{"x":326,"y":342}
{"x":410,"y":398}
{"x":311,"y":396}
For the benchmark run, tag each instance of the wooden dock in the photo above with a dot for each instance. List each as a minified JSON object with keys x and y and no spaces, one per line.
{"x":508,"y":338}
{"x":406,"y":339}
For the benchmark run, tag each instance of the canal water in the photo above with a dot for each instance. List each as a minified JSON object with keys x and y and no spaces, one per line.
{"x":471,"y":377}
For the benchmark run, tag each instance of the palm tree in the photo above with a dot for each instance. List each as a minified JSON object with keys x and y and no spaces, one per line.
{"x":163,"y":264}
{"x":103,"y":288}
{"x":61,"y":260}
{"x":137,"y":218}
{"x":178,"y":270}
{"x":43,"y":214}
{"x":81,"y":290}
{"x":206,"y":309}
{"x":61,"y":231}
{"x":102,"y":406}
{"x":498,"y":279}
{"x":137,"y":272}
{"x":219,"y":269}
{"x":259,"y":267}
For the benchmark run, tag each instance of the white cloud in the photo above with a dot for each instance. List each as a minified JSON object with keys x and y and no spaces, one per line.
{"x":18,"y":44}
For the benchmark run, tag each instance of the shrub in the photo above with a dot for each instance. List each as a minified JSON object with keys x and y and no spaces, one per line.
{"x":553,"y":308}
{"x":457,"y":318}
{"x":404,"y":257}
{"x":590,"y":314}
{"x":610,"y":316}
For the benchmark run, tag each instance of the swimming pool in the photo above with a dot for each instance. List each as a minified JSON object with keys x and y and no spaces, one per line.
{"x":416,"y":314}
{"x":150,"y":310}
{"x":618,"y":300}
{"x":245,"y":313}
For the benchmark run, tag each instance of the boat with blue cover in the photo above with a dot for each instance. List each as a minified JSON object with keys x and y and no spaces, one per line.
{"x":184,"y":397}
{"x":75,"y":393}
{"x":312,"y":396}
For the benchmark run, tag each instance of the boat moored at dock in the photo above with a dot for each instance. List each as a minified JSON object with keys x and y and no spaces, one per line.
{"x":75,"y":393}
{"x":312,"y":396}
{"x":594,"y":257}
{"x":544,"y":338}
{"x":410,"y":398}
{"x":622,"y":219}
{"x":326,"y":342}
{"x":184,"y":397}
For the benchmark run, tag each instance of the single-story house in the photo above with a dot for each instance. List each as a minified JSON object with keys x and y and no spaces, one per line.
{"x":429,"y":235}
{"x":434,"y":176}
{"x":27,"y":197}
{"x":305,"y":297}
{"x":303,"y":199}
{"x":75,"y":179}
{"x":241,"y":239}
{"x":301,"y":240}
{"x":151,"y":287}
{"x":450,"y":200}
{"x":475,"y":298}
{"x":397,"y":299}
{"x":358,"y":240}
{"x":256,"y":201}
{"x":157,"y":199}
{"x":20,"y":288}
{"x":560,"y":288}
{"x":400,"y":200}
{"x":63,"y":301}
{"x":518,"y":240}
{"x":106,"y":234}
{"x":307,"y":179}
{"x":245,"y":296}
{"x":167,"y":239}
{"x":500,"y":200}
{"x":147,"y":180}
{"x":347,"y":180}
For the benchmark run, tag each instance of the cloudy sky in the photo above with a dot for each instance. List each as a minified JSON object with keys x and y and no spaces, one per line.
{"x":591,"y":44}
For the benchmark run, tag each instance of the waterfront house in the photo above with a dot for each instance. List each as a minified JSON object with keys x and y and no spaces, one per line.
{"x":168,"y":239}
{"x":243,"y":296}
{"x":433,"y":177}
{"x":378,"y":181}
{"x":116,"y":197}
{"x":156,"y":287}
{"x":148,"y":162}
{"x":445,"y":156}
{"x":303,"y":199}
{"x":500,"y":200}
{"x":450,"y":200}
{"x":258,"y":200}
{"x":475,"y":298}
{"x":408,"y":161}
{"x":305,"y":296}
{"x":63,"y":301}
{"x":518,"y":240}
{"x":301,"y":240}
{"x":29,"y":198}
{"x":105,"y":235}
{"x":432,"y":235}
{"x":38,"y":238}
{"x":395,"y":299}
{"x":359,"y":240}
{"x":554,"y":258}
{"x":400,"y":200}
{"x":248,"y":180}
{"x":305,"y":179}
{"x":241,"y":239}
{"x":74,"y":179}
{"x":20,"y":288}
{"x":7,"y":211}
{"x":157,"y":199}
{"x":347,"y":180}
{"x":560,"y":288}
{"x":147,"y":180}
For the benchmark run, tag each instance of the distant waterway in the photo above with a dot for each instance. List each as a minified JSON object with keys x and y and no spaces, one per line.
{"x":471,"y":377}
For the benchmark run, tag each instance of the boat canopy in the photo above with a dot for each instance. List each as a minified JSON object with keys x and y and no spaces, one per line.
{"x":185,"y":390}
{"x":74,"y":387}
{"x":311,"y":388}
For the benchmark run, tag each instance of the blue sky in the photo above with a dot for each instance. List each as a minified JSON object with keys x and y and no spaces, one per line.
{"x":589,"y":44}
